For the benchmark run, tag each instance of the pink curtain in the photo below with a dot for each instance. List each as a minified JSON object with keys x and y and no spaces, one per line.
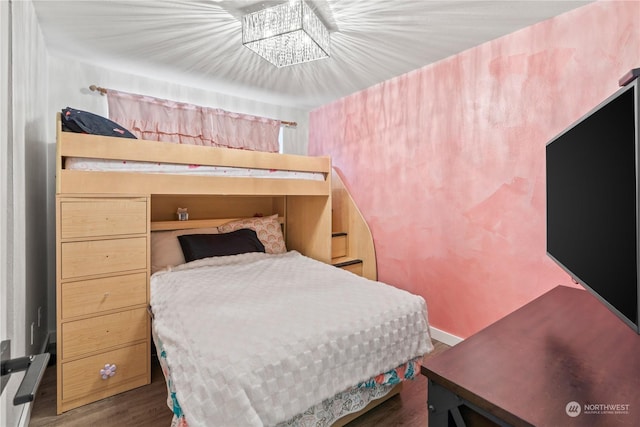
{"x":169,"y":121}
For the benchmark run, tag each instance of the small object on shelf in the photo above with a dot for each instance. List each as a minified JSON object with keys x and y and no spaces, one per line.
{"x":183,"y":215}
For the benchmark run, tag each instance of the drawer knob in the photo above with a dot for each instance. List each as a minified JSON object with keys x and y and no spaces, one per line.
{"x":108,"y":371}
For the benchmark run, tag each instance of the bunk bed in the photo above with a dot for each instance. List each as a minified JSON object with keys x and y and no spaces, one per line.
{"x":109,"y":221}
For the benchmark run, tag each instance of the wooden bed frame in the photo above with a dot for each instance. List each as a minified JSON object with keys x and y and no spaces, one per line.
{"x":303,"y":206}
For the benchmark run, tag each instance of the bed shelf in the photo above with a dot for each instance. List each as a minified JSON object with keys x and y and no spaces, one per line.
{"x":194,"y":223}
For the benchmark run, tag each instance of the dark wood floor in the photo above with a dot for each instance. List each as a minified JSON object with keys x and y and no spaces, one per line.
{"x":146,"y":406}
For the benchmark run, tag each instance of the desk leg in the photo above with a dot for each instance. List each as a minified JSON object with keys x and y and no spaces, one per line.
{"x":441,"y":402}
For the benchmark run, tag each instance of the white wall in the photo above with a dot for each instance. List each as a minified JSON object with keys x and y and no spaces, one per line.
{"x":69,"y":83}
{"x":29,"y":97}
{"x":8,"y":414}
{"x":23,"y":249}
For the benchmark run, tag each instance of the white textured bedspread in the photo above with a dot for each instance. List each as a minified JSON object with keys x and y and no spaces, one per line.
{"x":254,"y":339}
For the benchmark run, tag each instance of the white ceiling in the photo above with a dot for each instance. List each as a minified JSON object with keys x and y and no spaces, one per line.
{"x":199,"y":42}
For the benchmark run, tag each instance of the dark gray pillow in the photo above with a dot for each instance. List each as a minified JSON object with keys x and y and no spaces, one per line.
{"x":85,"y":122}
{"x":198,"y":246}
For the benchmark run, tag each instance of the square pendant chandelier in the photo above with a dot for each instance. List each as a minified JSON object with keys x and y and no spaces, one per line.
{"x":287,"y":34}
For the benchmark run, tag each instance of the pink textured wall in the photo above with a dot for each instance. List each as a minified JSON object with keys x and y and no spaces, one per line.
{"x":447,"y":162}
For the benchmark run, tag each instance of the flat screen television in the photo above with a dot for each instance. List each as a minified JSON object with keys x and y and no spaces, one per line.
{"x":592,"y":171}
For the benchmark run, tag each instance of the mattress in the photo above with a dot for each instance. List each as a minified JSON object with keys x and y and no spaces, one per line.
{"x":256,"y":339}
{"x":88,"y":164}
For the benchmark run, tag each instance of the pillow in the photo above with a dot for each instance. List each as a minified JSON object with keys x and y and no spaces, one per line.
{"x":198,"y":246}
{"x":85,"y":122}
{"x":267,"y":228}
{"x":165,"y":247}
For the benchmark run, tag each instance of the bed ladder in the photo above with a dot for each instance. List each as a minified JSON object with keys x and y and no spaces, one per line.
{"x":352,"y":246}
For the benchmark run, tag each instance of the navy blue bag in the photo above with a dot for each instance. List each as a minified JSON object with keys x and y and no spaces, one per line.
{"x":84,"y":122}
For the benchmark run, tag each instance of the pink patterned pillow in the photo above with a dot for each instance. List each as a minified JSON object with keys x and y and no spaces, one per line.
{"x":267,"y":228}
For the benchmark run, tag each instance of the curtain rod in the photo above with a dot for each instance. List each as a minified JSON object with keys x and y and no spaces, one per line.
{"x":103,"y":91}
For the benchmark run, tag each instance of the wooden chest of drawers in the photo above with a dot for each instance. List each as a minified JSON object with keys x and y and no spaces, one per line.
{"x":102,"y":291}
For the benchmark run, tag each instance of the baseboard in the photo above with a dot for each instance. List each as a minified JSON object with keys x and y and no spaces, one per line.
{"x":444,"y":337}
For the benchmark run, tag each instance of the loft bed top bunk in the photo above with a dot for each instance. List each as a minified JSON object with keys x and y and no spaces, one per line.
{"x":115,"y":150}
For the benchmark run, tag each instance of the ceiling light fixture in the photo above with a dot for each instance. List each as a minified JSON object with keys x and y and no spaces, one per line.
{"x":287,"y":34}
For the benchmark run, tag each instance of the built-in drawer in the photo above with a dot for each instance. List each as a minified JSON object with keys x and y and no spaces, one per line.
{"x":94,"y":257}
{"x":102,"y":217}
{"x":97,"y":295}
{"x":102,"y":332}
{"x":82,"y":379}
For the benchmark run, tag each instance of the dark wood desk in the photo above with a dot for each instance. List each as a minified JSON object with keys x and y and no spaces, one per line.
{"x":527,"y":368}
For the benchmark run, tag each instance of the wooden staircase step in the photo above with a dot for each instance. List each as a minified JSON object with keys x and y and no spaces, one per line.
{"x":353,"y":265}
